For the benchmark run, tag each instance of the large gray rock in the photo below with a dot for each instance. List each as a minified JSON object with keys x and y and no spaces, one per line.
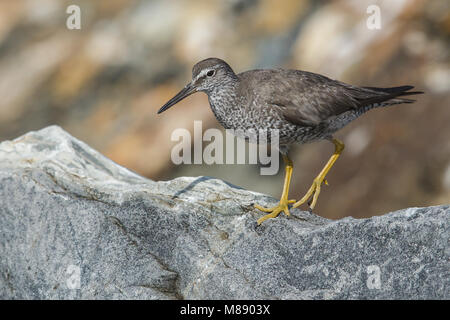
{"x":75,"y":225}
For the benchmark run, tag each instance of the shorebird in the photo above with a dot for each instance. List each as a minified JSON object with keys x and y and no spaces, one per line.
{"x":303,"y":107}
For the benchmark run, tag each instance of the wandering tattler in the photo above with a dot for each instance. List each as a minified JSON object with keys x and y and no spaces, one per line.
{"x":302,"y":106}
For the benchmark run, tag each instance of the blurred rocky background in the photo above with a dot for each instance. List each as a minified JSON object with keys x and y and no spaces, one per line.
{"x":105,"y":82}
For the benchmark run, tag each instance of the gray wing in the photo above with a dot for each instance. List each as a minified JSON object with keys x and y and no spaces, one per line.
{"x":307,"y":99}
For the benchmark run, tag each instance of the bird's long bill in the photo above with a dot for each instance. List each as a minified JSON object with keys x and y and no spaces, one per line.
{"x":187,"y":91}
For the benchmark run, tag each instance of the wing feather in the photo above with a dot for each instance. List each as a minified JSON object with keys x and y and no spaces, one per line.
{"x":307,"y":99}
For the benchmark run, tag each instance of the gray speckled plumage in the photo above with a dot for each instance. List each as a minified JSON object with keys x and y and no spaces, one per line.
{"x":303,"y":106}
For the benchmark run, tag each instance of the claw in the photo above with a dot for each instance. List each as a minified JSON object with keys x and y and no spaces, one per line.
{"x":283,"y":206}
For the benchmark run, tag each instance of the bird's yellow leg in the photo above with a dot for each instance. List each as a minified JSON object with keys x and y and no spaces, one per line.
{"x":284,"y":202}
{"x":314,"y":190}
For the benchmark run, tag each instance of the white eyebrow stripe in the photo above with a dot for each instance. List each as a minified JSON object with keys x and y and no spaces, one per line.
{"x":202,"y":73}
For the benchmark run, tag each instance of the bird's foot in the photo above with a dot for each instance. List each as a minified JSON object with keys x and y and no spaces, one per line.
{"x":283,"y":205}
{"x":313,"y":192}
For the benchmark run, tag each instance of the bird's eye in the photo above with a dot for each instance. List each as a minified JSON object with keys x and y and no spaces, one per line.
{"x":210,"y":73}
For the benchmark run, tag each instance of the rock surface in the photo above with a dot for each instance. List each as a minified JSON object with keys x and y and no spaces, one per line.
{"x":75,"y":225}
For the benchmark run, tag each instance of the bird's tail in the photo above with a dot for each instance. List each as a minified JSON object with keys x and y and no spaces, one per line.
{"x":395,"y":92}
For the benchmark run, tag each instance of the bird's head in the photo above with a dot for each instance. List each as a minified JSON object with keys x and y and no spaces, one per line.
{"x":207,"y":75}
